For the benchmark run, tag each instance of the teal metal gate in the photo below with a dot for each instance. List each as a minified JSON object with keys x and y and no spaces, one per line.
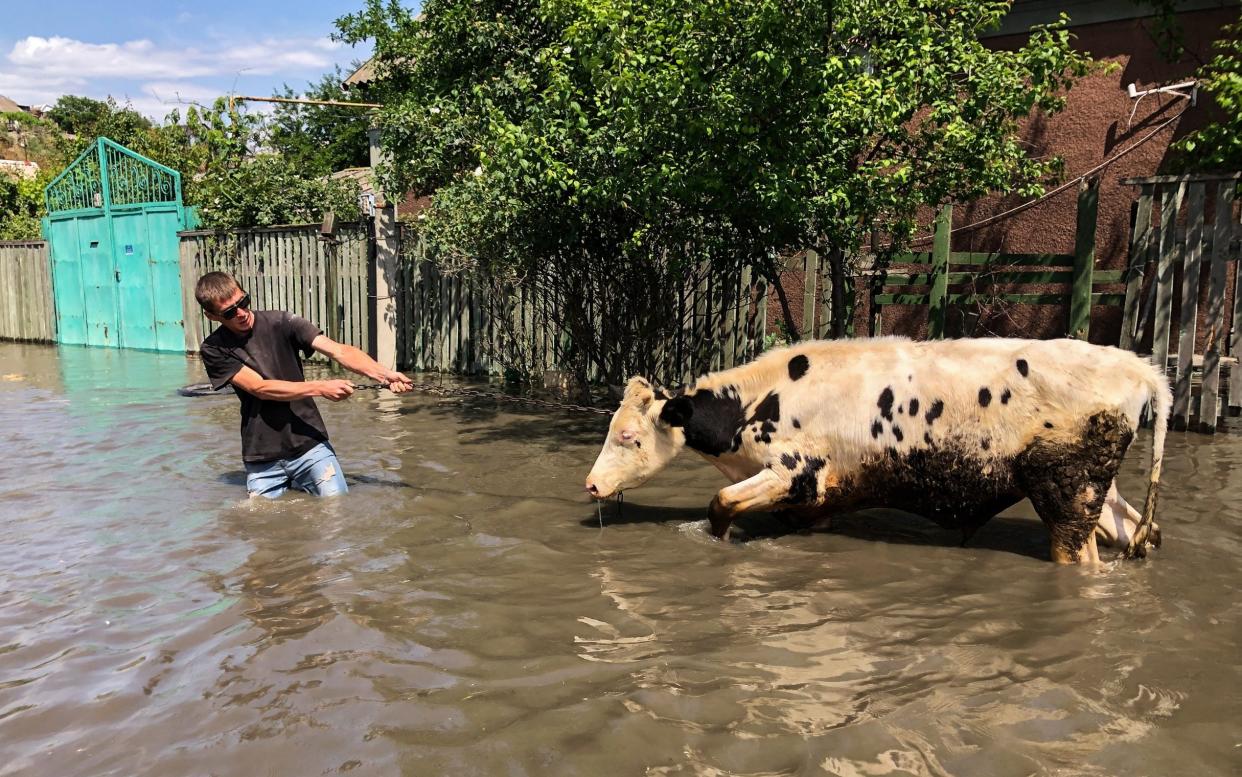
{"x":112,"y":223}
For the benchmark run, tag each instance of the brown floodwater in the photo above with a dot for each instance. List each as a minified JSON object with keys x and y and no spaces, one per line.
{"x":461,"y":611}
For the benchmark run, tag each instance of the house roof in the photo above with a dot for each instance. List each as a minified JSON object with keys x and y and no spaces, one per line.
{"x":362,"y":76}
{"x":8,"y":106}
{"x":366,"y":181}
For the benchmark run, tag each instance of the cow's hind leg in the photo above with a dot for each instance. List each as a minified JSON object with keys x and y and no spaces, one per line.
{"x":1119,"y":521}
{"x":1068,"y":483}
{"x":760,"y":492}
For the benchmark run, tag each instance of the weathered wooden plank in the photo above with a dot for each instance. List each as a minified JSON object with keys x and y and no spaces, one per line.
{"x":810,"y":272}
{"x":1084,"y":259}
{"x":761,"y":316}
{"x":702,"y":317}
{"x":1004,"y":260}
{"x":186,"y":248}
{"x":940,"y":270}
{"x":464,"y":334}
{"x":1190,"y":304}
{"x":823,"y":326}
{"x":746,"y":333}
{"x":729,"y":295}
{"x":1170,"y":204}
{"x":1200,"y":177}
{"x":718,"y":305}
{"x":1215,"y":319}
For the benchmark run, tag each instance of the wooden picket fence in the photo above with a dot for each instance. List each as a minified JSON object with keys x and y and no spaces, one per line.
{"x":290,"y":267}
{"x":27,"y":310}
{"x":466,"y":323}
{"x":1189,"y":250}
{"x":940,"y":279}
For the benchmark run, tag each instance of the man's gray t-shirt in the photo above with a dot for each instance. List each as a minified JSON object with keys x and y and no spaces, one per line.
{"x":270,"y":429}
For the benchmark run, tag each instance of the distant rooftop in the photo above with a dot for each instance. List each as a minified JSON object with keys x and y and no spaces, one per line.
{"x":363,"y":75}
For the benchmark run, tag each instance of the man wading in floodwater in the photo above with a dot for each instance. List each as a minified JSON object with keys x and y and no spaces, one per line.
{"x":284,"y":442}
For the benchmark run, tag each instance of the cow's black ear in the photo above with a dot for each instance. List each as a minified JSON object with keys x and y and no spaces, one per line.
{"x":677,"y":411}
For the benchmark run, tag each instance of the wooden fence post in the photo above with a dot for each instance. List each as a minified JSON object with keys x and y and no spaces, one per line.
{"x":940,"y":273}
{"x":1084,"y":259}
{"x":1170,"y":204}
{"x":1140,"y":251}
{"x":1191,"y":262}
{"x":1216,"y":327}
{"x":810,"y":267}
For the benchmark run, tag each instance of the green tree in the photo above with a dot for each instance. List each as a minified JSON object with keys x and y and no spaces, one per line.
{"x":321,"y":139}
{"x":1218,"y":146}
{"x":268,"y":189}
{"x":21,"y":206}
{"x":563,"y":134}
{"x":78,"y":115}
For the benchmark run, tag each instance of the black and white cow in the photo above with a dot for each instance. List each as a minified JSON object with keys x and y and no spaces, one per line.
{"x":954,"y":430}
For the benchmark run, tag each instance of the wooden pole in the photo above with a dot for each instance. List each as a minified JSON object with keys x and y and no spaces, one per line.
{"x":1084,"y":259}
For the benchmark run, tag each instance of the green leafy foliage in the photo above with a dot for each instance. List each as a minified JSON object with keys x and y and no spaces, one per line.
{"x":1218,"y":146}
{"x":559,"y":134}
{"x":21,"y":206}
{"x":321,"y":139}
{"x":269,"y":189}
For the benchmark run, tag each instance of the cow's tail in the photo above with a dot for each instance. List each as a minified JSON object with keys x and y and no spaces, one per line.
{"x":1161,"y":398}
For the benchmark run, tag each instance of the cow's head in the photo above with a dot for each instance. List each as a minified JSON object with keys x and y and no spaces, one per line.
{"x":639,"y":444}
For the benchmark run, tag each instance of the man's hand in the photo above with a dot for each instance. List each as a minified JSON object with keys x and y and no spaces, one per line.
{"x":397,"y":383}
{"x":336,"y":390}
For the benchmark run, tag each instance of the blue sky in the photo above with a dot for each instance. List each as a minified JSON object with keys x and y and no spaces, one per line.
{"x":159,"y":55}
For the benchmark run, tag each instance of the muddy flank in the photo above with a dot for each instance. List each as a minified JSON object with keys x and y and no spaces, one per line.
{"x":461,"y":611}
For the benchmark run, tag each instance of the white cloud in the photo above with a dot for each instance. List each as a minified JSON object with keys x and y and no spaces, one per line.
{"x":134,"y":59}
{"x":144,"y":59}
{"x":39,"y":70}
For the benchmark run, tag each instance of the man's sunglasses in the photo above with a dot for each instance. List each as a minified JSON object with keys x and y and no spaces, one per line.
{"x":231,"y":311}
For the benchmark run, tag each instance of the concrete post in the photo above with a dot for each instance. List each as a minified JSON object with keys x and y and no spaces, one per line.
{"x":383,"y":270}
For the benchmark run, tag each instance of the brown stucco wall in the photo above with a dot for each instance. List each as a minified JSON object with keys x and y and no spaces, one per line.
{"x":1095,"y":125}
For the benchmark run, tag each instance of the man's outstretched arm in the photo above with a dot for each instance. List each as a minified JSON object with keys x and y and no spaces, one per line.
{"x":255,"y":384}
{"x":356,"y":360}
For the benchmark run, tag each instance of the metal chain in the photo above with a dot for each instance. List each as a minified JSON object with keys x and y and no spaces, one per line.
{"x":457,"y":391}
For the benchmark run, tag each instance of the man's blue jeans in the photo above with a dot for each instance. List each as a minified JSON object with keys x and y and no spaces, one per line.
{"x":316,"y":472}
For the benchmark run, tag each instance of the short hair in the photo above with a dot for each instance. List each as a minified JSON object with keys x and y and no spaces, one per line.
{"x":214,"y":288}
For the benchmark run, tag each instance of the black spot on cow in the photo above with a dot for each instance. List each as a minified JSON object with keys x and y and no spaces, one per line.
{"x":985,"y":397}
{"x":934,"y":411}
{"x":897,"y":432}
{"x":901,"y":409}
{"x":796,"y":425}
{"x":788,"y":461}
{"x":1047,"y":424}
{"x":877,"y":428}
{"x":885,"y":403}
{"x":909,"y":377}
{"x":891,"y":452}
{"x":1023,"y":367}
{"x":986,"y":444}
{"x":638,"y":443}
{"x":804,"y":488}
{"x":927,"y":438}
{"x":767,"y":413}
{"x":914,"y":406}
{"x":713,"y":420}
{"x":1005,"y":395}
{"x":798,"y":366}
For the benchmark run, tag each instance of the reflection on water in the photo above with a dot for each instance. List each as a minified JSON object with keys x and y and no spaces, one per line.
{"x":462,"y":611}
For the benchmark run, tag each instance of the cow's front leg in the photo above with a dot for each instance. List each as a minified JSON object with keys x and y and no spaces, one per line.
{"x":760,"y":492}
